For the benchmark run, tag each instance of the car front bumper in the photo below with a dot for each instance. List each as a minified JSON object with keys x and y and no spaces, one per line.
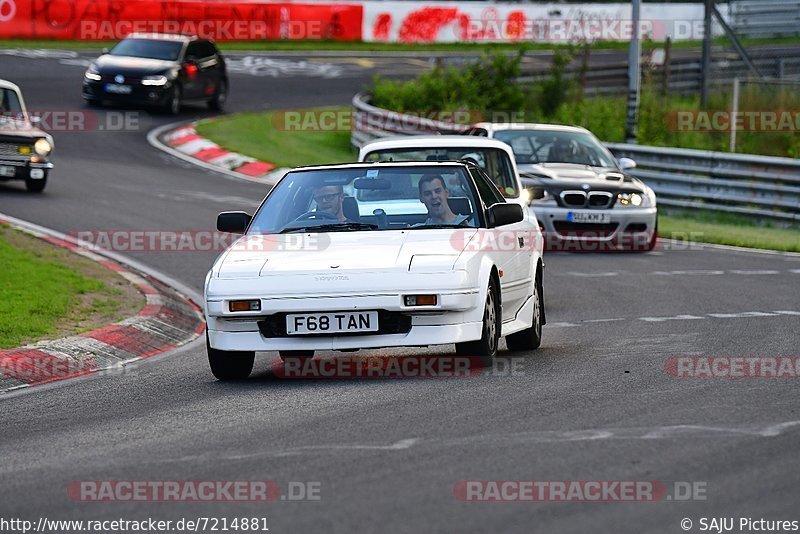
{"x":456,"y":318}
{"x":140,"y":94}
{"x":22,"y":168}
{"x":627,"y":228}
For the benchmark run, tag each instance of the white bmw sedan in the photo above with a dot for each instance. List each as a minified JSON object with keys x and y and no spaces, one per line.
{"x":313,"y":272}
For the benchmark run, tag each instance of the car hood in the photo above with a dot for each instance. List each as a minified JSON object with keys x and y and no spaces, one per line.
{"x":131,"y":66}
{"x":560,"y":176}
{"x":13,"y":129}
{"x":284,"y":254}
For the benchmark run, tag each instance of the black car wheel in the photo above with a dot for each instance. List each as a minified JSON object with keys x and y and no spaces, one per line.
{"x":173,"y":106}
{"x":228,"y":364}
{"x":217,"y":102}
{"x":530,"y":338}
{"x":36,"y":185}
{"x":485,"y":349}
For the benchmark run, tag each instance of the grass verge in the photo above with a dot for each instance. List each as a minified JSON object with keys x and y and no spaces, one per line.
{"x":48,"y":292}
{"x":261,"y":136}
{"x":256,"y":135}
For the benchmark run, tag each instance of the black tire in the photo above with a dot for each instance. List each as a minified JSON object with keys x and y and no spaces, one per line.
{"x":530,"y":338}
{"x":217,"y":102}
{"x":173,"y":105}
{"x":230,"y":365}
{"x":485,"y":349}
{"x":654,"y":238}
{"x":36,"y":186}
{"x":295,"y":356}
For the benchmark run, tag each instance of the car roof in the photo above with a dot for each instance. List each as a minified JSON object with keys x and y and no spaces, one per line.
{"x":433,"y":141}
{"x":161,"y":36}
{"x":498,"y":126}
{"x":8,"y":85}
{"x":375,"y":164}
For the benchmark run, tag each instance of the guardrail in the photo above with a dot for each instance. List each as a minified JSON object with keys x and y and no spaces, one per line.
{"x":761,"y":186}
{"x":765,"y":18}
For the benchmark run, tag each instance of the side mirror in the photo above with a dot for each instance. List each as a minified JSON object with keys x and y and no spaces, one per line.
{"x":233,"y":222}
{"x":626,"y":163}
{"x":104,"y":51}
{"x":503,"y":214}
{"x":35,"y":120}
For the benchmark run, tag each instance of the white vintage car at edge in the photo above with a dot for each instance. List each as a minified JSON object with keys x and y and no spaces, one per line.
{"x":308,"y":277}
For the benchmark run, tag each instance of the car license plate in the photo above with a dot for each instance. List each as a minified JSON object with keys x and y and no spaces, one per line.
{"x":6,"y":171}
{"x":589,"y":217}
{"x":119,"y":89}
{"x":332,"y":323}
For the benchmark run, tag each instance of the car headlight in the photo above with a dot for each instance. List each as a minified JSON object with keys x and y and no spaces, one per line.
{"x":632,"y":200}
{"x":540,"y":196}
{"x":42,"y":147}
{"x":155,"y":80}
{"x":92,"y":73}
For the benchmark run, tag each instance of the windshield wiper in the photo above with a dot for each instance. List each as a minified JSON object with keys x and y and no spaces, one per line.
{"x":335,"y":227}
{"x":440,"y":226}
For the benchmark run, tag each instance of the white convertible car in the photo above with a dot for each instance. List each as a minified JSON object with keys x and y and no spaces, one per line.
{"x":313,"y":272}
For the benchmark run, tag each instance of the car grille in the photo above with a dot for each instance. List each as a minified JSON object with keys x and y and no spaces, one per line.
{"x":572,"y":229}
{"x":590,"y":199}
{"x":11,"y":149}
{"x":388,"y":323}
{"x":129,"y":80}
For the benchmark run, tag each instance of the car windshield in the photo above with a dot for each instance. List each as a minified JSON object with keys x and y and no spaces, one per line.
{"x":148,"y":48}
{"x":549,"y":146}
{"x":368,"y":199}
{"x":494,"y":161}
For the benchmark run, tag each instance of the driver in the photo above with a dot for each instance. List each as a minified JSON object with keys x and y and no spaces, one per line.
{"x":434,"y":194}
{"x":329,"y":198}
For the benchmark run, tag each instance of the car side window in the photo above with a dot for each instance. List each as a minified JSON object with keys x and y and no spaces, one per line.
{"x":207,"y":49}
{"x":486,"y":188}
{"x":193,"y":51}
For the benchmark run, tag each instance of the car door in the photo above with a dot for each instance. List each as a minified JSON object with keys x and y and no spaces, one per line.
{"x":193,"y":84}
{"x":511,"y":248}
{"x":208,"y":64}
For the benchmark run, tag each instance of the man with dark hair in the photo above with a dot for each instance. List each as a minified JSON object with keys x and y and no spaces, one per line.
{"x":434,"y":194}
{"x":329,"y":198}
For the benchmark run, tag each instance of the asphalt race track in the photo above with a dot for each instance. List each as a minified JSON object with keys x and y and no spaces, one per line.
{"x":594,"y":403}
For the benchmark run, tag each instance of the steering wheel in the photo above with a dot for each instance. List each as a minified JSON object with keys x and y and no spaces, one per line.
{"x":317,"y":215}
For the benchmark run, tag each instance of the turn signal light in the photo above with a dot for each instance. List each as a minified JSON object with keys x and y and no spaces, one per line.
{"x":420,"y":300}
{"x":244,"y":305}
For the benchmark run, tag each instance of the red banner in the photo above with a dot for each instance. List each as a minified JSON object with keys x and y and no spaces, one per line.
{"x":218,"y":20}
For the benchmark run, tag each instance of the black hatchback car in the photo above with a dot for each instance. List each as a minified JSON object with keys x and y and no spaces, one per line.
{"x":162,"y":70}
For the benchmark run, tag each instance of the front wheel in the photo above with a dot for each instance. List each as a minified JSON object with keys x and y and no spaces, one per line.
{"x":485,"y":349}
{"x":530,"y":338}
{"x":173,"y":105}
{"x":229,"y":364}
{"x":36,"y":185}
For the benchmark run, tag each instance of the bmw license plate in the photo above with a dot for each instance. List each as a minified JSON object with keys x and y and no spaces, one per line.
{"x":589,"y":217}
{"x":332,"y":323}
{"x":119,"y":89}
{"x":7,"y":171}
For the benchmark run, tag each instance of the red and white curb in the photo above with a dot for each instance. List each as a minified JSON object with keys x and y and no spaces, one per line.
{"x":168,"y":320}
{"x":183,"y":141}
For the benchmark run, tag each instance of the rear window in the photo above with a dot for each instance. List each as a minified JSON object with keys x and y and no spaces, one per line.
{"x":494,"y":161}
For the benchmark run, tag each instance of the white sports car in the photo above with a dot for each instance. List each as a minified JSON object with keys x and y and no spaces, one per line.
{"x":312,"y":272}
